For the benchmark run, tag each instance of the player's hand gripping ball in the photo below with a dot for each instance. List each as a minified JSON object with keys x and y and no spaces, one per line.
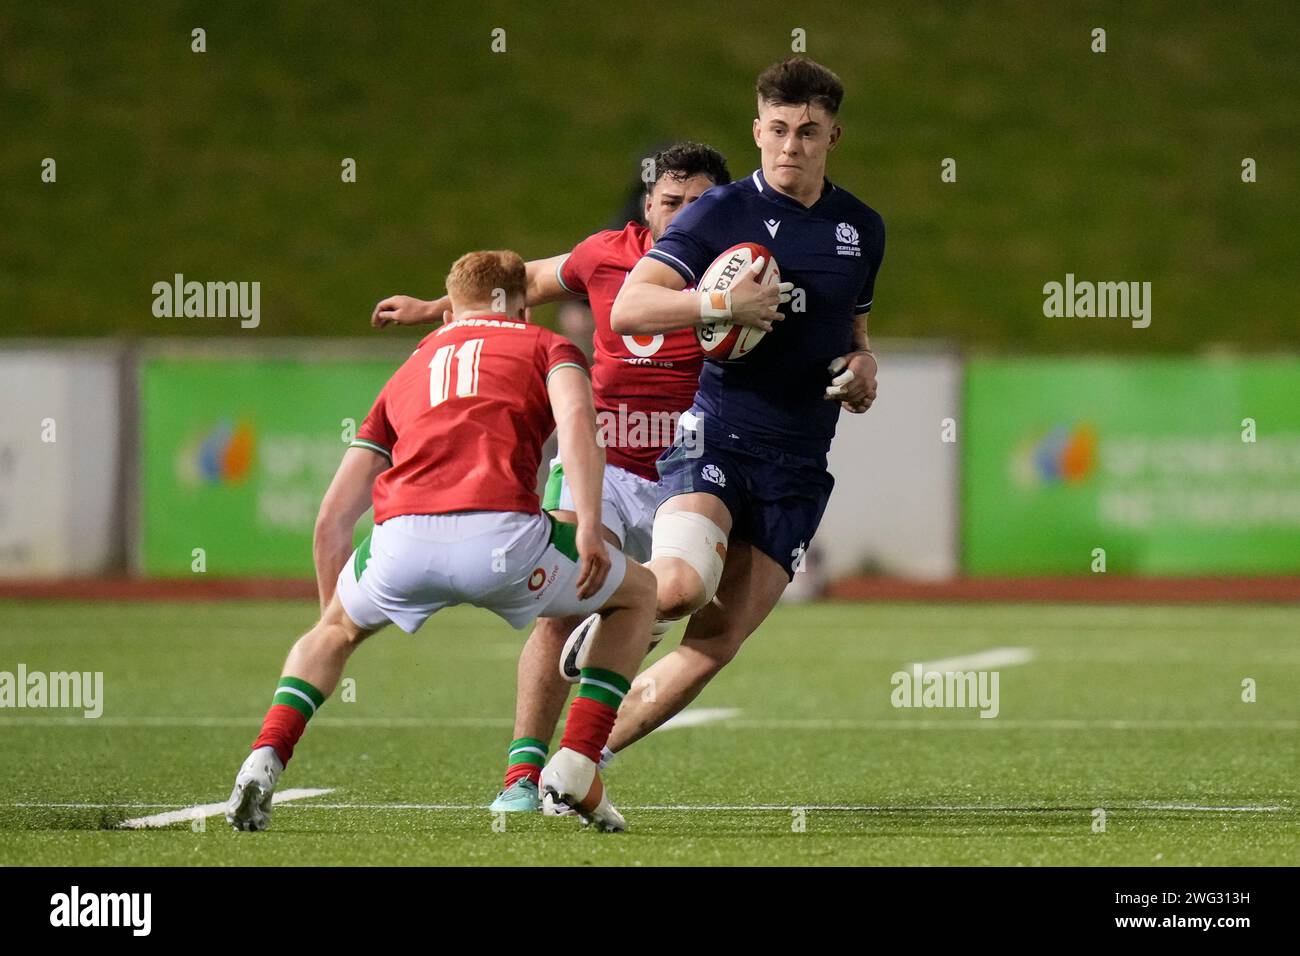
{"x":726,"y":339}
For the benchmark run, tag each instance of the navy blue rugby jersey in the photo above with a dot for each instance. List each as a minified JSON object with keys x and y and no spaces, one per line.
{"x":832,"y":251}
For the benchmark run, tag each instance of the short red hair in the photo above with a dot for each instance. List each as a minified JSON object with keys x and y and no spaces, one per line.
{"x":487,"y":280}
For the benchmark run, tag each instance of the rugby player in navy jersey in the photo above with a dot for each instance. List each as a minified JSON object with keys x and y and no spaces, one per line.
{"x":734,"y":522}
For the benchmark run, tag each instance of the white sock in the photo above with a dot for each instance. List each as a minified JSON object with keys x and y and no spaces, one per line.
{"x":606,"y":758}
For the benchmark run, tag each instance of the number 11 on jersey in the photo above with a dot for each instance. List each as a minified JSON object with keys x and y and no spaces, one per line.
{"x":466,"y":358}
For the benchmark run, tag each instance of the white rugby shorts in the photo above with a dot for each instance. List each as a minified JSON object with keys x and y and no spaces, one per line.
{"x":627,"y":505}
{"x":518,"y":566}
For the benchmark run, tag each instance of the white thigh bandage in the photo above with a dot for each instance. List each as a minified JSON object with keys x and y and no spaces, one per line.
{"x":694,"y":539}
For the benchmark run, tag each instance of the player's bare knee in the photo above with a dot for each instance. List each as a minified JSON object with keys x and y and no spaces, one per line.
{"x":676,"y":607}
{"x":679,"y":592}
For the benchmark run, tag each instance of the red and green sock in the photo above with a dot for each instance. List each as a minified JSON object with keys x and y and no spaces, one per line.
{"x":295,"y":702}
{"x":593,"y":711}
{"x":526,"y":758}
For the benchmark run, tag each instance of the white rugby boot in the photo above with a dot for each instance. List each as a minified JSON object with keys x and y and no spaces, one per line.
{"x":572,"y":781}
{"x":250,"y":802}
{"x":574,"y":656}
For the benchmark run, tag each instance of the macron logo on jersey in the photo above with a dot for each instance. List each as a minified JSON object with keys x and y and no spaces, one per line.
{"x":772,"y":226}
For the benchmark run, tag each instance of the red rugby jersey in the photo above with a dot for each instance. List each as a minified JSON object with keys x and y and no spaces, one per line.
{"x":464,"y":419}
{"x":639,"y":381}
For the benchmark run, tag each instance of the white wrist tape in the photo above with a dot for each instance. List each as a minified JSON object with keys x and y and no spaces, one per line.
{"x":715,"y":306}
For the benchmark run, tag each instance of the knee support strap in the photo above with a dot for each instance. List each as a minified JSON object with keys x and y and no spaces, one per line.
{"x":695,"y":539}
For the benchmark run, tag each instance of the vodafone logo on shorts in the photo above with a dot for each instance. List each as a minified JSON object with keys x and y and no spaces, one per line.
{"x":643,"y":346}
{"x":540,"y":581}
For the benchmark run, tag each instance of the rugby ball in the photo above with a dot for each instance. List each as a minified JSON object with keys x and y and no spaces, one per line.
{"x":725,"y":340}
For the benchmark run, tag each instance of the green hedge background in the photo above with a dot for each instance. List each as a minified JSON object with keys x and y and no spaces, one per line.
{"x":225,"y":165}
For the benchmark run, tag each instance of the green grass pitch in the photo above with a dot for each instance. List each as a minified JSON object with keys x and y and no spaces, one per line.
{"x":1134,"y":710}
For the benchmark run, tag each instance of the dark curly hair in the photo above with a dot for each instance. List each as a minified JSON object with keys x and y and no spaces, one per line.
{"x":683,"y":160}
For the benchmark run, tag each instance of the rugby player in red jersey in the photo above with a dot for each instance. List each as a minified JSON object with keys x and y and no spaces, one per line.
{"x":449,"y":456}
{"x":642,"y":383}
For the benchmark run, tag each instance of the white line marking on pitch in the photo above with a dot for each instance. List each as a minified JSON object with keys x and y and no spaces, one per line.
{"x":90,"y":806}
{"x":697,"y":716}
{"x":982,"y":660}
{"x":213,"y":809}
{"x":868,"y":808}
{"x":772,"y":723}
{"x":691,"y":717}
{"x":1003,"y":723}
{"x":252,"y":721}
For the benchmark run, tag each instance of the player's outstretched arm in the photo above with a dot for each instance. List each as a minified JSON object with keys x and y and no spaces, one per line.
{"x":543,"y":287}
{"x":651,"y":301}
{"x":408,"y":310}
{"x":544,"y":281}
{"x":345,"y":501}
{"x":584,"y":469}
